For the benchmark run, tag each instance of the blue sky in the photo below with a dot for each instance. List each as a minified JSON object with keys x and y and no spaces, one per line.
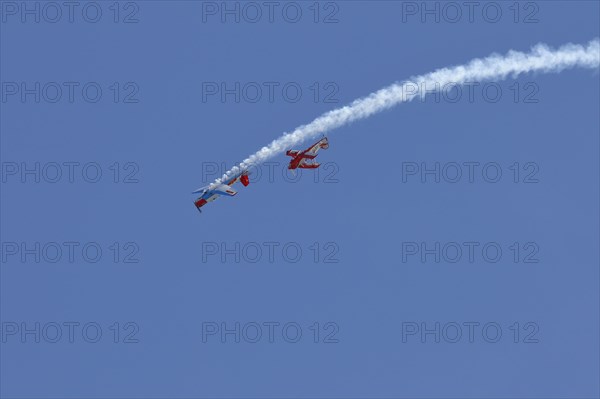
{"x":333,"y":253}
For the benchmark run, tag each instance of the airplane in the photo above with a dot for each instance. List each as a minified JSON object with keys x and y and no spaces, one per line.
{"x":300,"y":159}
{"x":214,"y":191}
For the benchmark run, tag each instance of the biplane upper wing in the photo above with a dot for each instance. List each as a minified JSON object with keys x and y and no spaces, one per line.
{"x":314,"y":149}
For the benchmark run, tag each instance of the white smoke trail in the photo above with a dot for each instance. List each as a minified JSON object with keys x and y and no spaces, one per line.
{"x":541,"y":58}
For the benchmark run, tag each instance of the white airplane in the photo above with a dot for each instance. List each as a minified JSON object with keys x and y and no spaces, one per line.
{"x":214,"y":191}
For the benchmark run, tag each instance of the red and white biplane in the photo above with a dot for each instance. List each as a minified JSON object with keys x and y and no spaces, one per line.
{"x":305,"y":159}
